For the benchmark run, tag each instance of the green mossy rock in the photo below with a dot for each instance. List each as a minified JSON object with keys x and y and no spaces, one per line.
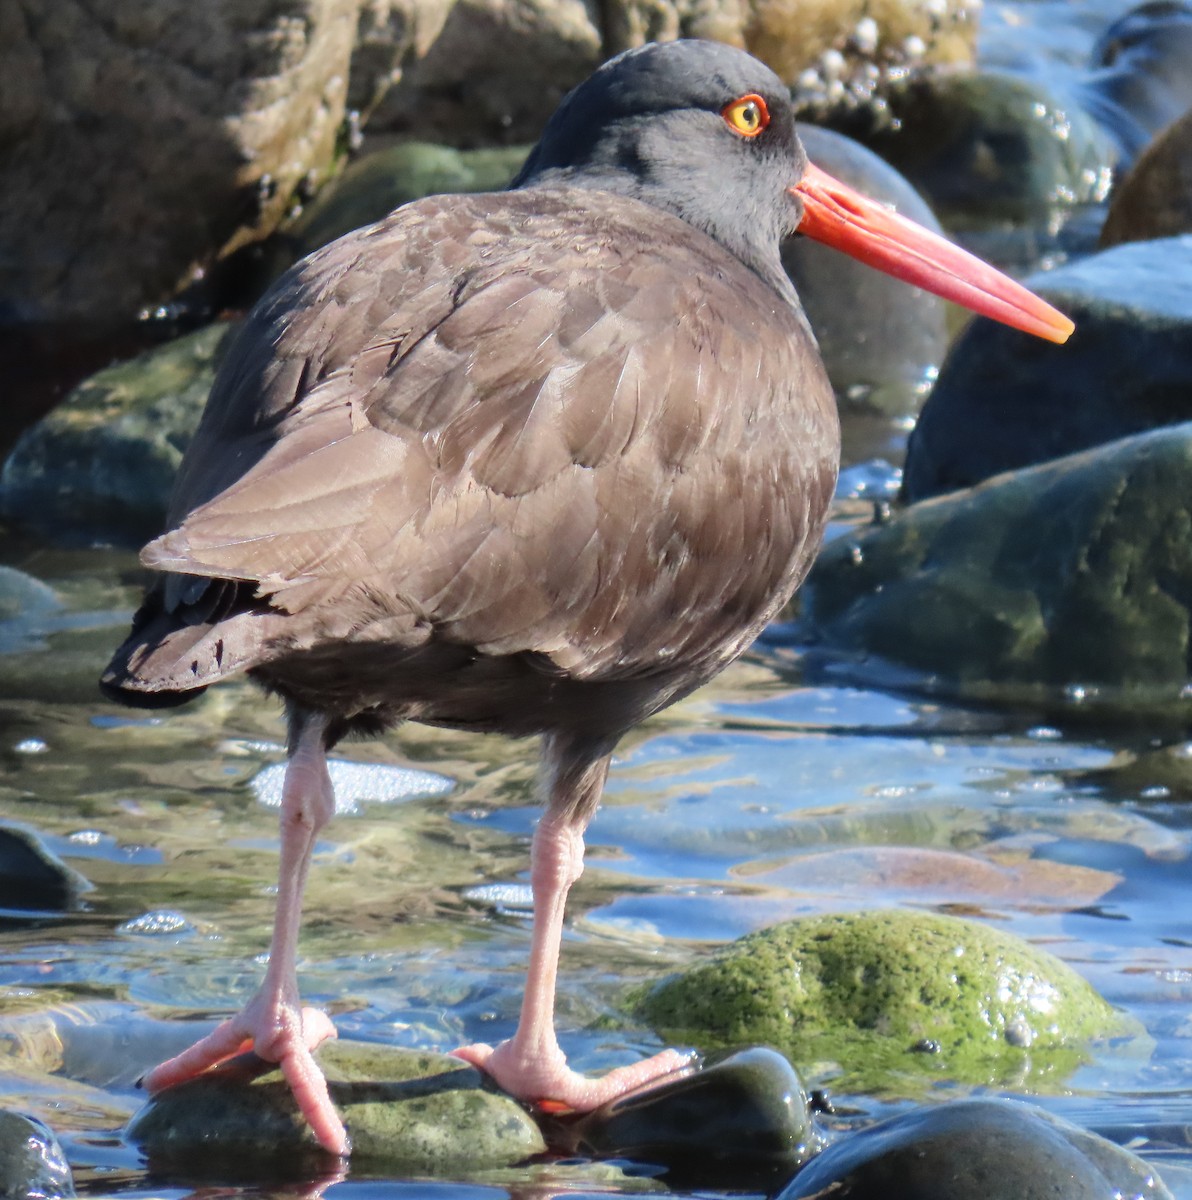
{"x":102,"y":464}
{"x":405,"y":1111}
{"x":890,"y":992}
{"x":1071,"y":578}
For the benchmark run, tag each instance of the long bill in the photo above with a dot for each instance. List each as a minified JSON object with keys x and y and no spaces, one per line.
{"x":837,"y":215}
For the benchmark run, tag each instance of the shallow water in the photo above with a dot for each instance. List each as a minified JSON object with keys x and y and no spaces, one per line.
{"x":753,"y":801}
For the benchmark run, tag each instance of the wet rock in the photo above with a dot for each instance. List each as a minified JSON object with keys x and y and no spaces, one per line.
{"x":1067,"y":578}
{"x":137,"y":142}
{"x":889,"y":992}
{"x":744,"y":1118}
{"x":880,"y":339}
{"x":989,"y":149}
{"x":1005,"y":400}
{"x":403,"y":1109}
{"x":31,"y":1160}
{"x":102,"y":464}
{"x":32,"y":877}
{"x":1142,"y":76}
{"x":472,"y":71}
{"x":1155,"y":198}
{"x":478,"y":71}
{"x":25,"y":604}
{"x":995,"y":1149}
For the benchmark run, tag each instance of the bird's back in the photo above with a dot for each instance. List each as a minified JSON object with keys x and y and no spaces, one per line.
{"x":493,"y":461}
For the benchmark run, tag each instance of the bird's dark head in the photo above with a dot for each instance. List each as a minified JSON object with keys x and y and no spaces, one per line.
{"x":708,"y":133}
{"x":698,"y":128}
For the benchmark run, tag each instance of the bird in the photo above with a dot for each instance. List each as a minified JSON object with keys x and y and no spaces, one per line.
{"x":537,"y":462}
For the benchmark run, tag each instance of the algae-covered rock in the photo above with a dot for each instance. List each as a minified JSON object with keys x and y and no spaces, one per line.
{"x":995,"y":1149}
{"x":880,"y":992}
{"x":1074,"y":576}
{"x":102,"y":464}
{"x":407,"y":1110}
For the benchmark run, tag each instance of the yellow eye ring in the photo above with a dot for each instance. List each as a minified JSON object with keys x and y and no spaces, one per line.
{"x":747,"y":115}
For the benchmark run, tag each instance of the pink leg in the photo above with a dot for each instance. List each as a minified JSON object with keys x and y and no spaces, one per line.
{"x":273,"y":1023}
{"x":531,"y":1065}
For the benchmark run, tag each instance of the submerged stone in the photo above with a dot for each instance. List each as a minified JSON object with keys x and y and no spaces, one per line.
{"x":102,"y":464}
{"x":890,"y":991}
{"x":404,"y":1110}
{"x":1006,"y":400}
{"x":32,"y":1165}
{"x":744,"y":1118}
{"x":32,"y":877}
{"x":994,"y":1149}
{"x":1074,"y":576}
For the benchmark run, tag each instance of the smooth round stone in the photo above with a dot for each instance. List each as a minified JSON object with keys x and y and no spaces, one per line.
{"x":1006,"y":400}
{"x":1066,"y":583}
{"x":883,"y":993}
{"x":992,"y":1149}
{"x":1155,"y":198}
{"x":102,"y":464}
{"x":744,"y":1118}
{"x":32,"y":877}
{"x":32,"y":1165}
{"x":989,"y":149}
{"x":405,"y":1111}
{"x":880,"y":339}
{"x":1142,"y":74}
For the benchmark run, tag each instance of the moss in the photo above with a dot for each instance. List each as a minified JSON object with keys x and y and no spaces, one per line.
{"x":887,"y":992}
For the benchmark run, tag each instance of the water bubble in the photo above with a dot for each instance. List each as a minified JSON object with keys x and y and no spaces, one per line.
{"x":1044,"y":733}
{"x":355,"y":783}
{"x":31,"y":745}
{"x":159,"y":922}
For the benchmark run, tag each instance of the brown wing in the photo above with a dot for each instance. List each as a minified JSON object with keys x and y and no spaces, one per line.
{"x":518,"y":425}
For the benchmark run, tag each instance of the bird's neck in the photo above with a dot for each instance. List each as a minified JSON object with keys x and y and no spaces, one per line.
{"x":761,"y":254}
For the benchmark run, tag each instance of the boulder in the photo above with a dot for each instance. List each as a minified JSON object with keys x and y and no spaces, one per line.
{"x":140,"y":141}
{"x":1005,"y":400}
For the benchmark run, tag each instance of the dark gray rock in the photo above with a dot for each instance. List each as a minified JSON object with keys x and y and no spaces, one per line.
{"x":1142,"y":74}
{"x":1070,"y":579}
{"x":880,"y":339}
{"x":1005,"y":400}
{"x":990,"y":149}
{"x":992,"y":1149}
{"x":743,"y":1118}
{"x":32,"y":877}
{"x":32,"y":1165}
{"x":405,"y":1111}
{"x":102,"y":464}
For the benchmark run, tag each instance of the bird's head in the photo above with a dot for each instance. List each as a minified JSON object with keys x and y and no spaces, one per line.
{"x":707,"y":132}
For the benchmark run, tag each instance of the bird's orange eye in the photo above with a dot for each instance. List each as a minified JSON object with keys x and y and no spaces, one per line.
{"x":747,"y":116}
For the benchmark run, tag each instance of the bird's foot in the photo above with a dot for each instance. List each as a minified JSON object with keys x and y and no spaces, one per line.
{"x":278,"y":1032}
{"x":545,"y":1079}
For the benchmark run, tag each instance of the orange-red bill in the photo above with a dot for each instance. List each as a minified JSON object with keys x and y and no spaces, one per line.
{"x":837,"y":215}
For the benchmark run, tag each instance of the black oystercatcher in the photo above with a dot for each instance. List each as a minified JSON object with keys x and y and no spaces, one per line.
{"x":535,"y":462}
